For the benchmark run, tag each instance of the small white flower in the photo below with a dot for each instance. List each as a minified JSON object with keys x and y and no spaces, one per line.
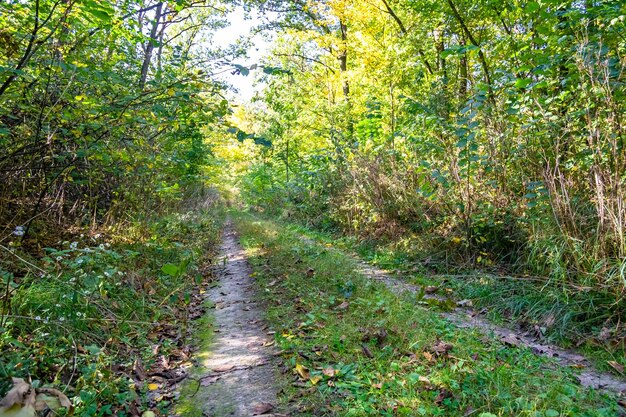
{"x":73,"y":245}
{"x":37,"y":318}
{"x":97,"y":236}
{"x":19,"y":231}
{"x":59,"y":258}
{"x":101,"y":246}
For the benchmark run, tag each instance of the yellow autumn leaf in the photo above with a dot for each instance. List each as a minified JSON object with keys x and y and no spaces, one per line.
{"x":302,"y":371}
{"x":153,"y":387}
{"x":315,"y":379}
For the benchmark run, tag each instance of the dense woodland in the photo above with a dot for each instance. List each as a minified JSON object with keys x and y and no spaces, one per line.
{"x":454,"y":136}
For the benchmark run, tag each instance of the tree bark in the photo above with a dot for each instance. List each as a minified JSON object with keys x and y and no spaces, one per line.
{"x":149,"y":47}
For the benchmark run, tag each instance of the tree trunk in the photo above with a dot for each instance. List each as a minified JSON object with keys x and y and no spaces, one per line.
{"x":149,"y":47}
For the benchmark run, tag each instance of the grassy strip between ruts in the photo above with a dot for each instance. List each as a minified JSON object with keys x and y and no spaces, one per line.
{"x":567,"y":316}
{"x":352,"y":348}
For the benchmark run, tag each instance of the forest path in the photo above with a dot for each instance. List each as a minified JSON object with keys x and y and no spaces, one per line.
{"x":239,"y":379}
{"x":464,"y":316}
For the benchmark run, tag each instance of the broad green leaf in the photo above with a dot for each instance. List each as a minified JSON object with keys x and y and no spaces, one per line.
{"x":170,"y":269}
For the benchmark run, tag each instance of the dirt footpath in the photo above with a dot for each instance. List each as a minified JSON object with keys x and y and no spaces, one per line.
{"x":238,"y":378}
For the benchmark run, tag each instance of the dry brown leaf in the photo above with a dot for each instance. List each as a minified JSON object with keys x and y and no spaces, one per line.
{"x":343,"y":306}
{"x":261,"y":408}
{"x":510,"y":340}
{"x":366,"y":351}
{"x":223,"y":368}
{"x":443,"y":394}
{"x":62,"y":398}
{"x":441,"y":348}
{"x":17,"y":394}
{"x":431,"y":289}
{"x":208,"y":380}
{"x":617,"y":366}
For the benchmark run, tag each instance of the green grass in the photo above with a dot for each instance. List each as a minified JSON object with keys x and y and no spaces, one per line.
{"x":324,"y":313}
{"x":558,"y":313}
{"x":189,"y":403}
{"x":103,"y":303}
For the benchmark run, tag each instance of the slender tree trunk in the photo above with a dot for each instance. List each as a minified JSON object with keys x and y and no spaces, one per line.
{"x":149,"y":47}
{"x":463,"y":81}
{"x":343,"y":59}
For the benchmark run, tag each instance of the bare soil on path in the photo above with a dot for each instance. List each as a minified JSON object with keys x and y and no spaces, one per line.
{"x":238,"y":375}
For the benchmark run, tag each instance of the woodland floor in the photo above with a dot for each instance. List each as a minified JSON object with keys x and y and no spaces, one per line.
{"x":352,"y":339}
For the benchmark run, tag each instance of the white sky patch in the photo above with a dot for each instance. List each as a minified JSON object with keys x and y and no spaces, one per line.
{"x":241,"y":27}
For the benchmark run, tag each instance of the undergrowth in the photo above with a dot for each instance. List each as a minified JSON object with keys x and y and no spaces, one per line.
{"x":352,"y":348}
{"x":91,"y":312}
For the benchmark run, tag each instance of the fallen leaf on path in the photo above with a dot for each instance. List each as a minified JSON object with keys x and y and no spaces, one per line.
{"x":510,"y":340}
{"x":617,"y":366}
{"x":23,"y":400}
{"x":139,"y":370}
{"x":17,"y":394}
{"x":302,"y":371}
{"x":223,"y":368}
{"x":343,"y":306}
{"x":315,"y":379}
{"x":366,"y":351}
{"x":329,"y":372}
{"x":431,"y":289}
{"x":58,"y":398}
{"x":261,"y":408}
{"x":443,"y":394}
{"x":441,"y":348}
{"x":208,"y":380}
